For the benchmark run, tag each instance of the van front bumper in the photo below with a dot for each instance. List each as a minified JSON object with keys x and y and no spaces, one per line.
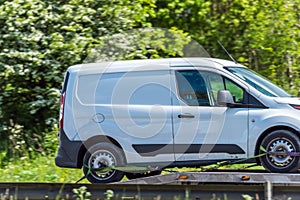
{"x":67,"y":155}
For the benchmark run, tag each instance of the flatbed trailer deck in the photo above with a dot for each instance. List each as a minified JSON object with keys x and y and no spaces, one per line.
{"x":269,"y":185}
{"x":195,"y":178}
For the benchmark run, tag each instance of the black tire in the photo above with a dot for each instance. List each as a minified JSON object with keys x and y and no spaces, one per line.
{"x":142,"y":175}
{"x":280,"y":141}
{"x":101,"y":155}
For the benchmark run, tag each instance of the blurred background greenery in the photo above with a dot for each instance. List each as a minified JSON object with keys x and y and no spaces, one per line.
{"x":39,"y":39}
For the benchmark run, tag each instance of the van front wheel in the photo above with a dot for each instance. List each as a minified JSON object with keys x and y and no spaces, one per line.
{"x":277,"y":143}
{"x":103,"y":155}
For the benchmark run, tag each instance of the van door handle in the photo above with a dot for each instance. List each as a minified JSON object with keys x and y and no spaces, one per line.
{"x":186,"y":116}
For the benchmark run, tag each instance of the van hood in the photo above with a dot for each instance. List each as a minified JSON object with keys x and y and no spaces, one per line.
{"x":288,"y":100}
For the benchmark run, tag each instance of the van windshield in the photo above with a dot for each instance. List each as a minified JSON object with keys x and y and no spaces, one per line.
{"x":257,"y":81}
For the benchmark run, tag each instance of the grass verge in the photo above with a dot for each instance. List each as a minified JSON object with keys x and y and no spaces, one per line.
{"x":43,"y":169}
{"x":40,"y":169}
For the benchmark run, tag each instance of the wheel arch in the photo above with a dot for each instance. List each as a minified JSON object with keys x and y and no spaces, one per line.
{"x":92,"y":141}
{"x":268,"y":131}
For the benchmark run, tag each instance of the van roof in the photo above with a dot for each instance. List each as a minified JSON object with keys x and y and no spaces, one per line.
{"x":150,"y":64}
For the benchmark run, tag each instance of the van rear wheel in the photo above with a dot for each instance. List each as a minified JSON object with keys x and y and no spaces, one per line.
{"x":103,"y":155}
{"x":280,"y":141}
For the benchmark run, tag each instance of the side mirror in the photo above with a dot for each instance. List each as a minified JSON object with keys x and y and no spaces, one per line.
{"x":224,"y":98}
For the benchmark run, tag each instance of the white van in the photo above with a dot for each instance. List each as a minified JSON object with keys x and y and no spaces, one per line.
{"x":173,"y":112}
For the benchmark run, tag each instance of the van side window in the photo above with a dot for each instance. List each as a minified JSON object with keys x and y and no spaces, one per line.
{"x":236,"y":91}
{"x":192,"y":88}
{"x":217,"y":82}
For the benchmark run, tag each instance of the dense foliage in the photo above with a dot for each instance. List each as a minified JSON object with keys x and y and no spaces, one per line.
{"x":262,"y":34}
{"x":40,"y":39}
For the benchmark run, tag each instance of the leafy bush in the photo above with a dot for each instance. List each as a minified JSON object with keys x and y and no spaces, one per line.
{"x":38,"y":41}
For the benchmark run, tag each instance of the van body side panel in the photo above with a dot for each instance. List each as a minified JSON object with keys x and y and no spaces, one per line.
{"x":264,"y":119}
{"x":134,"y":108}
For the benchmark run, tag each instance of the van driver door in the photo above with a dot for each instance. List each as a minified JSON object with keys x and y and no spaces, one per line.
{"x":202,"y":129}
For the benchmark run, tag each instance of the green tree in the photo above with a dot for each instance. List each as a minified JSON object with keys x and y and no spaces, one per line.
{"x":264,"y":35}
{"x":40,"y":39}
{"x":274,"y":42}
